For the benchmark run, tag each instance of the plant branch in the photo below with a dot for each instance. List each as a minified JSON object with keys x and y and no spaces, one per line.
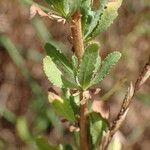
{"x":77,"y":35}
{"x":144,"y":75}
{"x":78,"y":46}
{"x":83,"y":122}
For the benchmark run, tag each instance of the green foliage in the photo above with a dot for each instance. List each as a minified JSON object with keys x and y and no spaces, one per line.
{"x":104,"y":69}
{"x":62,"y":107}
{"x":52,"y":72}
{"x":74,"y":102}
{"x":22,"y":129}
{"x":59,"y":59}
{"x":64,"y":7}
{"x":62,"y":63}
{"x":76,"y":75}
{"x":109,"y":14}
{"x":97,"y":126}
{"x":42,"y":144}
{"x":75,"y":64}
{"x":96,"y":21}
{"x":87,"y":65}
{"x":89,"y":72}
{"x":94,"y":15}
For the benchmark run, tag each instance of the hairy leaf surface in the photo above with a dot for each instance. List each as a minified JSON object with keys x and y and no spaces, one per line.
{"x":87,"y":65}
{"x":96,"y":17}
{"x":64,"y":65}
{"x":54,"y":74}
{"x":106,"y":66}
{"x":64,"y":7}
{"x":108,"y":16}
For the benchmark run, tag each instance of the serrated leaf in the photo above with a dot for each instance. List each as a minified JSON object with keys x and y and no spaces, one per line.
{"x":42,"y":144}
{"x":57,"y":56}
{"x":62,"y":107}
{"x":87,"y":65}
{"x":95,"y":18}
{"x":106,"y":66}
{"x":64,"y":7}
{"x":75,"y":64}
{"x":63,"y":64}
{"x":108,"y":16}
{"x":87,"y":18}
{"x":97,"y":65}
{"x":54,"y":75}
{"x":97,"y":126}
{"x":70,"y":6}
{"x":52,"y":72}
{"x":93,"y":23}
{"x":58,"y":6}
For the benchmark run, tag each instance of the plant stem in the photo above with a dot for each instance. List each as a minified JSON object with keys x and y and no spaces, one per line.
{"x":77,"y":35}
{"x":78,"y":46}
{"x":83,"y":124}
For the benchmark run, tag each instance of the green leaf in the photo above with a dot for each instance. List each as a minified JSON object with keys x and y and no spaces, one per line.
{"x":64,"y":7}
{"x":93,"y":23}
{"x":74,"y":102}
{"x":62,"y":107}
{"x":75,"y":62}
{"x":57,"y":56}
{"x":108,"y":16}
{"x":87,"y":65}
{"x":75,"y":65}
{"x":42,"y":144}
{"x":106,"y":66}
{"x":97,"y":65}
{"x":95,"y":18}
{"x":62,"y":63}
{"x":97,"y":126}
{"x":52,"y":72}
{"x":54,"y":75}
{"x":22,"y":129}
{"x":59,"y":5}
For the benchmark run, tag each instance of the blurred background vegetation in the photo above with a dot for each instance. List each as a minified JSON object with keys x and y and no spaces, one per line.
{"x":24,"y":109}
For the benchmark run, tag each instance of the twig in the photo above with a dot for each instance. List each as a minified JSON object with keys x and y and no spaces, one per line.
{"x":83,"y":123}
{"x":144,"y":75}
{"x":78,"y":46}
{"x":77,"y":35}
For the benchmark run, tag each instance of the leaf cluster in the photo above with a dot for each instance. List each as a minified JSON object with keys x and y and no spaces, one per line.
{"x":95,"y":19}
{"x":72,"y":74}
{"x":66,"y":73}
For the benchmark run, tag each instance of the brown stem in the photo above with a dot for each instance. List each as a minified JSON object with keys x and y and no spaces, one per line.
{"x":78,"y":46}
{"x":77,"y":35}
{"x":83,"y":124}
